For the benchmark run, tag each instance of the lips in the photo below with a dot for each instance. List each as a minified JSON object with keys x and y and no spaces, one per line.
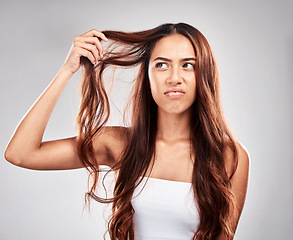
{"x":173,"y":92}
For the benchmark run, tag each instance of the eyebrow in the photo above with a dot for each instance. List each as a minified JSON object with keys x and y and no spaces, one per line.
{"x":169,"y":60}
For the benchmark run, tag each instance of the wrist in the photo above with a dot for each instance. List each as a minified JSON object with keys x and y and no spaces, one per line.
{"x":66,"y":71}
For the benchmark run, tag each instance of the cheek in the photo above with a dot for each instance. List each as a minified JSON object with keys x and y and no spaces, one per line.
{"x":154,"y":89}
{"x":192,"y":88}
{"x":194,"y":91}
{"x":189,"y":78}
{"x":154,"y":84}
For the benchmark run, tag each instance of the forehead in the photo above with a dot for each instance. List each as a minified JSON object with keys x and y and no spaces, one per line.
{"x":175,"y":46}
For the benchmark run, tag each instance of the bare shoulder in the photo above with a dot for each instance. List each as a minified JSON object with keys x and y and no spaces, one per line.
{"x":242,"y":163}
{"x":239,"y":170}
{"x":109,"y":143}
{"x":243,"y":158}
{"x":243,"y":153}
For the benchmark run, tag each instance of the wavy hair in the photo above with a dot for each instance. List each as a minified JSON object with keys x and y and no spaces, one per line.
{"x":209,"y":135}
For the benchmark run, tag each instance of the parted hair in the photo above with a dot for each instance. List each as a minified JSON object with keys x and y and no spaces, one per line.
{"x":210,"y":137}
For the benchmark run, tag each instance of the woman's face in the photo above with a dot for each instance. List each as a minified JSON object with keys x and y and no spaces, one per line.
{"x":172,"y":74}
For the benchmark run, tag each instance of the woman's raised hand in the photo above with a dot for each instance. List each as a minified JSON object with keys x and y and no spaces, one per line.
{"x":86,"y":45}
{"x":26,"y":147}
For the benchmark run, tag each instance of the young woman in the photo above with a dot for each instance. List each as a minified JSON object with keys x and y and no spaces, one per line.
{"x":194,"y":174}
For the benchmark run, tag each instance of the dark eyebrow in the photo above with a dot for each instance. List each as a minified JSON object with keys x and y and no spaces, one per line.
{"x":169,"y":60}
{"x":188,"y":59}
{"x":163,"y":59}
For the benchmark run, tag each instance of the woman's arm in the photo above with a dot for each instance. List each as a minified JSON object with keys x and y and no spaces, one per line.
{"x":26,"y":148}
{"x":239,"y":180}
{"x":239,"y":183}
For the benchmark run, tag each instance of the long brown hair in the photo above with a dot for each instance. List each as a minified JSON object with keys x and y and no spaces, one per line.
{"x":209,"y":134}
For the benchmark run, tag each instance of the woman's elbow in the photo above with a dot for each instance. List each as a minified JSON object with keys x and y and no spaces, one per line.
{"x":14,"y":157}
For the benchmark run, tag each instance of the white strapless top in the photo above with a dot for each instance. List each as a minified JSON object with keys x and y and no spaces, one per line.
{"x":164,"y":210}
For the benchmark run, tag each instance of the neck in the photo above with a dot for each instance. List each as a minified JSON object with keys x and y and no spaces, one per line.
{"x":173,"y":126}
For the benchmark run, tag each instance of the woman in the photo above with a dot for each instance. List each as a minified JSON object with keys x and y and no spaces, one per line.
{"x":178,"y":137}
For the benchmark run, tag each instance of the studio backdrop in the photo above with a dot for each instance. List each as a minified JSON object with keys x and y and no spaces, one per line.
{"x":253,"y":45}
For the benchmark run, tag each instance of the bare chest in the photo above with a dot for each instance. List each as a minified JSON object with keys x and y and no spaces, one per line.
{"x":172,"y":162}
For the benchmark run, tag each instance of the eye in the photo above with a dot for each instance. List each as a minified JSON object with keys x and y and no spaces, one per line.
{"x":188,"y":66}
{"x":161,"y":65}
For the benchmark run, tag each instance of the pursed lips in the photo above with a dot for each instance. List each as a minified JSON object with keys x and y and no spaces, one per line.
{"x":174,"y":92}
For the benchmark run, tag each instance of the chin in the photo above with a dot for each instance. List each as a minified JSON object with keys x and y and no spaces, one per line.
{"x":178,"y":111}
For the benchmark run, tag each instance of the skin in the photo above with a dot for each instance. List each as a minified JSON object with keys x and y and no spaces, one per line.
{"x":168,"y":69}
{"x":171,"y":67}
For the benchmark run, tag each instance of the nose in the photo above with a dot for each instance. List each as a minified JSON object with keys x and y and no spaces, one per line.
{"x":175,"y":77}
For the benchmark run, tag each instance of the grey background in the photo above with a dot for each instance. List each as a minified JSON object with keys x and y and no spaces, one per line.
{"x":253,"y":45}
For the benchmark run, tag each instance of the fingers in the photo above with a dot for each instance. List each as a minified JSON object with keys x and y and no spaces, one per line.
{"x":91,"y":45}
{"x":90,"y":49}
{"x":89,"y":55}
{"x":95,"y":41}
{"x":96,"y":33}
